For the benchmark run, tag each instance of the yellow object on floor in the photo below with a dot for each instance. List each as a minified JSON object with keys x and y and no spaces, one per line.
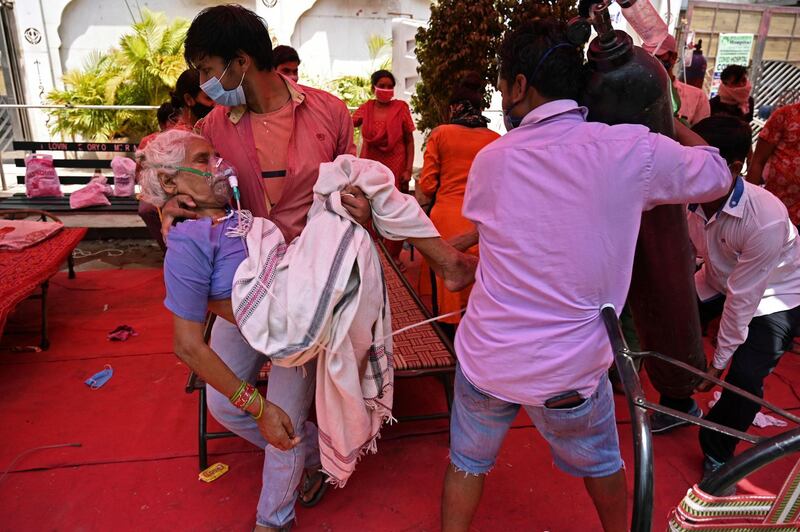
{"x":213,"y":472}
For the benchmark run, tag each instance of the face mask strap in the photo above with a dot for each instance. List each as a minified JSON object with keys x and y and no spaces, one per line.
{"x":194,"y":171}
{"x":223,"y":75}
{"x":224,"y":70}
{"x":529,"y":80}
{"x":544,"y":58}
{"x":189,"y":169}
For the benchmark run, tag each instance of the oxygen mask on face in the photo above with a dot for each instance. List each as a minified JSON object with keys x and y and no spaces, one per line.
{"x":226,"y":184}
{"x":219,"y":175}
{"x":222,"y":180}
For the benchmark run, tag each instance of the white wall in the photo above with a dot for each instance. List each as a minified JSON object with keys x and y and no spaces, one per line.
{"x":88,"y":25}
{"x":330,"y":34}
{"x":331,"y":37}
{"x":41,"y":70}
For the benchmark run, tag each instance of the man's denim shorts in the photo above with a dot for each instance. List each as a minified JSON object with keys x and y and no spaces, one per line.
{"x":583,"y":439}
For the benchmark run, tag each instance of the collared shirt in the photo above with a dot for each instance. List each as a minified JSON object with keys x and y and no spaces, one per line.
{"x":751,"y":255}
{"x":321,"y":130}
{"x":558,"y":203}
{"x":694,"y":103}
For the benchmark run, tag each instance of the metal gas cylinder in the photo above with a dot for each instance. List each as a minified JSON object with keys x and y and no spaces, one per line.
{"x":629,"y":86}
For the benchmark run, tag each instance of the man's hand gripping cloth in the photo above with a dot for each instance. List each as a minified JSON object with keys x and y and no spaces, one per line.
{"x":323,"y":296}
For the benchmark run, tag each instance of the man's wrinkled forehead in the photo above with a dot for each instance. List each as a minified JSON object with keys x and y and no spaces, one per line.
{"x":199,"y":148}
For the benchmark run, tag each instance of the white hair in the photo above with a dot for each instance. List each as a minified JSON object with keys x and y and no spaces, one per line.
{"x":166,"y":150}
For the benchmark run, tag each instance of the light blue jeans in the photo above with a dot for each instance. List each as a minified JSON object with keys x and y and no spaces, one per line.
{"x":292,"y":389}
{"x":583,"y":440}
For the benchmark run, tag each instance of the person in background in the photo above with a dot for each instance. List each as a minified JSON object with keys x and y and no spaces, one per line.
{"x":166,"y":116}
{"x":734,"y":94}
{"x":276,"y":134}
{"x":776,"y":160}
{"x":190,"y":102}
{"x":387,"y":132}
{"x":751,"y":277}
{"x":557,"y":203}
{"x":287,"y":62}
{"x":691,"y":103}
{"x":696,"y":71}
{"x":448,"y":156}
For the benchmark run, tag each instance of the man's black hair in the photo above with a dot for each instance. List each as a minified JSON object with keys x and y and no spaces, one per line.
{"x":165,"y":113}
{"x":225,"y":31}
{"x":188,"y":83}
{"x":378,"y":74}
{"x":733,"y":73}
{"x":284,"y":54}
{"x":731,"y":136}
{"x":562,"y":75}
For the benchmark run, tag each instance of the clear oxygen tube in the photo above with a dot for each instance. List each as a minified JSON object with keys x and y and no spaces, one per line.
{"x":234,"y":182}
{"x":245,"y":219}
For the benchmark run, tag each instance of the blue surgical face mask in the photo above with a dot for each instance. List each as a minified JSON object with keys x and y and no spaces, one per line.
{"x":99,"y":379}
{"x":229,"y":98}
{"x":511,"y":122}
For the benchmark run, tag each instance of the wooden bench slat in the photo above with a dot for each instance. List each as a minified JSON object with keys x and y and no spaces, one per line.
{"x":71,"y":179}
{"x":118,"y":199}
{"x":55,"y":204}
{"x":72,"y":163}
{"x":64,"y":208}
{"x":57,"y":201}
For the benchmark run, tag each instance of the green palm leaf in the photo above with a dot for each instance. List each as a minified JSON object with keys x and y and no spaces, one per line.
{"x":141,"y":70}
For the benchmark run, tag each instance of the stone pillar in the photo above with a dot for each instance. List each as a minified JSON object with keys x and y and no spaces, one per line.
{"x":38,"y":41}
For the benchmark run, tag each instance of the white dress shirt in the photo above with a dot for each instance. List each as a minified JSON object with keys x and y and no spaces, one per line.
{"x":751,"y":254}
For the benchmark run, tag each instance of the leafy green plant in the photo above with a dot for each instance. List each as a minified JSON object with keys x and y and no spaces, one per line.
{"x":86,"y":86}
{"x":141,"y":71}
{"x":466,"y":36}
{"x":378,"y":46}
{"x":355,"y":90}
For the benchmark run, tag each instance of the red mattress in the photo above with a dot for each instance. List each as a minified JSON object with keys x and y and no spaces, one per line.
{"x":22,"y":272}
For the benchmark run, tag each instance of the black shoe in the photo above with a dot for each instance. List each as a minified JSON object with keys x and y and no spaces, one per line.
{"x":660,"y":423}
{"x":710,"y":466}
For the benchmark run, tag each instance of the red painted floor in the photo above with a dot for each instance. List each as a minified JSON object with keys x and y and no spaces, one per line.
{"x":136,"y":468}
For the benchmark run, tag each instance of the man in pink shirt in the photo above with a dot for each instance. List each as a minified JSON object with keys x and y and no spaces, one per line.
{"x":557,"y":204}
{"x":276,"y":134}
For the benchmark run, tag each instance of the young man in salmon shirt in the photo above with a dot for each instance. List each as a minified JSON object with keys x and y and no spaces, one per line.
{"x":276,"y":133}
